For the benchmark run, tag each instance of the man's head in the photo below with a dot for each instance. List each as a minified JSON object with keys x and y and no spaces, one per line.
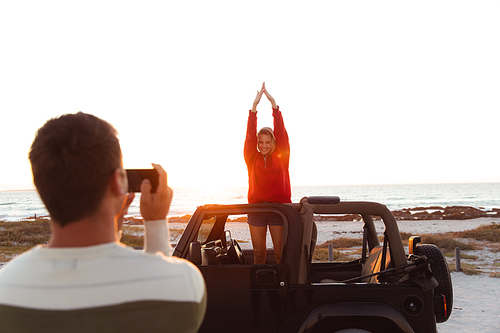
{"x":72,"y":159}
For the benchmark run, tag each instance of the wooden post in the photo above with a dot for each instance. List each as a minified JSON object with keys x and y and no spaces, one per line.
{"x":330,"y":252}
{"x":457,"y":260}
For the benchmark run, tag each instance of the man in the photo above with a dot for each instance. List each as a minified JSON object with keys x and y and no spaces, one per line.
{"x":84,"y":279}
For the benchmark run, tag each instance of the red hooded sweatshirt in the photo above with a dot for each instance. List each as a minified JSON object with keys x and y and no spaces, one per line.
{"x":268,"y":178}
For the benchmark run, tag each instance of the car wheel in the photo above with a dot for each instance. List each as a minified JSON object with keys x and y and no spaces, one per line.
{"x":441,"y":272}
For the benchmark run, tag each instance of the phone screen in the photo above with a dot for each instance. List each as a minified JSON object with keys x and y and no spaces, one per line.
{"x":136,"y":176}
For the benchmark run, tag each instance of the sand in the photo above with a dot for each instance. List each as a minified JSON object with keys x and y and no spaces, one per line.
{"x":476,"y":301}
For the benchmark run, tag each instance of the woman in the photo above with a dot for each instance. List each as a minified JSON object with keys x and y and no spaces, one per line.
{"x":267,"y":155}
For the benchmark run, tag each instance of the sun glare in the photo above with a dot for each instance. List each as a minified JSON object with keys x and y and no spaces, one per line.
{"x":207,"y":180}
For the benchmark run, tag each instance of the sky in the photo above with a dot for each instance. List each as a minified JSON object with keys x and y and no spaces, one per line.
{"x":372,"y":92}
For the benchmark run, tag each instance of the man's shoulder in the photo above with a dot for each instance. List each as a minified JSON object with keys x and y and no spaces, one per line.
{"x":171,"y":263}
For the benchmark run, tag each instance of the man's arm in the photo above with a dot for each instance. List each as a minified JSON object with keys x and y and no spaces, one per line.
{"x":157,"y":237}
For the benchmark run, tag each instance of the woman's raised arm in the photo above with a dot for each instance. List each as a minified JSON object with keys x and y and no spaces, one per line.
{"x":257,"y":98}
{"x":269,"y":97}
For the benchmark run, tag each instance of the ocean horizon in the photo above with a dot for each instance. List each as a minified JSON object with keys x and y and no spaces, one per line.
{"x":19,"y":204}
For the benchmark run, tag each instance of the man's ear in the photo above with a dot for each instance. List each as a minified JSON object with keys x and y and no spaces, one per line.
{"x":119,"y":182}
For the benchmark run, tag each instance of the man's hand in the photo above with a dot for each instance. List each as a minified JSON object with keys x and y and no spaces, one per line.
{"x":155,"y":206}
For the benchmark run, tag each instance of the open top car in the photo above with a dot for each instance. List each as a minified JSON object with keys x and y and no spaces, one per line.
{"x":383,"y":290}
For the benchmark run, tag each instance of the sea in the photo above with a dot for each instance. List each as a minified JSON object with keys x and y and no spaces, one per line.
{"x":16,"y":205}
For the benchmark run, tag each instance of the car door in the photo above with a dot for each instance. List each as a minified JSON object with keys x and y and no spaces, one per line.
{"x":240,"y":297}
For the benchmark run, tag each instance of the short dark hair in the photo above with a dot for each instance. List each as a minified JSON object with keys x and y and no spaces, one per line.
{"x":72,"y":158}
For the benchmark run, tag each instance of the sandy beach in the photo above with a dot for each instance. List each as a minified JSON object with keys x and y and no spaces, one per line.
{"x":475,"y":305}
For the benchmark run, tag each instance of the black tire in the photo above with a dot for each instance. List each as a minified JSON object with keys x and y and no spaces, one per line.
{"x":441,"y":272}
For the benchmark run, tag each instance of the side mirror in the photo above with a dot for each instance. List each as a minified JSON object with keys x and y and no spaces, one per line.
{"x":412,"y":243}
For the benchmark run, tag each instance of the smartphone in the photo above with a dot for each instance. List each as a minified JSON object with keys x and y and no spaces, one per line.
{"x":136,"y":176}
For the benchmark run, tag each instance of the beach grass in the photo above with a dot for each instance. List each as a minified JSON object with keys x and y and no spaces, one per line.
{"x":490,"y":233}
{"x":321,"y":255}
{"x":25,"y":233}
{"x":9,"y":252}
{"x":131,"y":229}
{"x":447,"y":242}
{"x":132,"y":240}
{"x":495,"y":247}
{"x":495,"y":275}
{"x":176,"y":233}
{"x":341,"y":243}
{"x":467,"y":268}
{"x":462,"y":256}
{"x":344,"y":248}
{"x":17,"y":237}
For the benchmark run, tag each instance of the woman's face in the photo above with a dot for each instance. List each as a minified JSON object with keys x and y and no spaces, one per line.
{"x":265,"y":144}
